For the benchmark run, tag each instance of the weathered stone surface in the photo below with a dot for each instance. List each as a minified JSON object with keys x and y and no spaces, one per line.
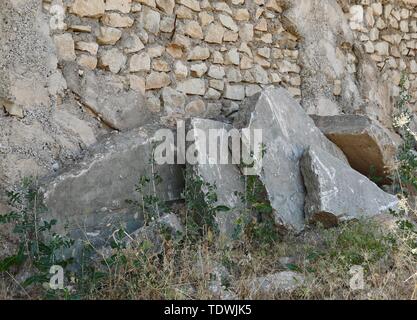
{"x":157,"y":80}
{"x":369,"y":147}
{"x":105,"y":95}
{"x":154,"y":234}
{"x":324,"y":27}
{"x":65,"y":47}
{"x":123,"y":6}
{"x":140,"y":62}
{"x":90,"y":47}
{"x":192,"y":4}
{"x":226,"y":177}
{"x":198,"y":69}
{"x":286,"y":132}
{"x":214,"y":33}
{"x":106,"y":178}
{"x":194,"y":30}
{"x":174,"y":101}
{"x":234,"y":92}
{"x":336,"y":192}
{"x":29,"y":86}
{"x":192,"y":86}
{"x":88,"y":8}
{"x":274,"y":284}
{"x":195,"y":108}
{"x":150,"y":20}
{"x":228,"y":22}
{"x":87,"y":61}
{"x":166,"y":5}
{"x":199,"y":53}
{"x":113,"y":59}
{"x":116,"y":20}
{"x":109,"y":35}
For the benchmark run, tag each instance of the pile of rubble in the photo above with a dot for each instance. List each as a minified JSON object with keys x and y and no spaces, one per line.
{"x":307,"y":176}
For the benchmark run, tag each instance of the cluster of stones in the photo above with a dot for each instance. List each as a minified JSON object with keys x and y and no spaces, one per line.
{"x":188,"y":57}
{"x":388,"y":32}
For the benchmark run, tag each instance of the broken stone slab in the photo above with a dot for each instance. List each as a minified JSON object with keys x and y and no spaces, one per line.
{"x":286,"y":132}
{"x":369,"y":147}
{"x":105,"y":95}
{"x":105,"y":179}
{"x":224,"y":175}
{"x":276,"y":283}
{"x":336,"y":192}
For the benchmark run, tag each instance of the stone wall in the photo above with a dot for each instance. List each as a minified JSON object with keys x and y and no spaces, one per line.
{"x":188,"y":57}
{"x":388,"y":33}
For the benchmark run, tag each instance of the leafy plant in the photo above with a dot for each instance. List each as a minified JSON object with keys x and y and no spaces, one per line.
{"x":38,"y":245}
{"x":201,"y":204}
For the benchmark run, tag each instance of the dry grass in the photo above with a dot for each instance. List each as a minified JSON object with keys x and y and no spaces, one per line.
{"x":185,"y":271}
{"x":323,"y":256}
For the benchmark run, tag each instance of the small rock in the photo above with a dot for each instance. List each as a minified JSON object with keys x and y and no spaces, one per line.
{"x":109,"y":36}
{"x":192,"y":86}
{"x":116,"y":20}
{"x":88,"y":8}
{"x":140,"y":62}
{"x":166,"y":5}
{"x":234,"y":92}
{"x":214,"y":34}
{"x":272,"y":284}
{"x":197,"y":70}
{"x":65,"y":47}
{"x":123,"y":6}
{"x":157,"y":80}
{"x":195,"y":108}
{"x":199,"y":53}
{"x":228,"y":22}
{"x":114,"y":59}
{"x":194,"y":30}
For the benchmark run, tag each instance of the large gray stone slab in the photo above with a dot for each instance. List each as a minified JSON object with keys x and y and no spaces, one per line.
{"x":287,"y":131}
{"x":336,"y":192}
{"x":226,"y":177}
{"x":370,"y":148}
{"x":96,"y":189}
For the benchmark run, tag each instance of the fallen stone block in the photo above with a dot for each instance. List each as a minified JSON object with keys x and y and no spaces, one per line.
{"x":224,"y":175}
{"x":369,"y":147}
{"x":106,"y":177}
{"x":286,"y":132}
{"x":276,"y":283}
{"x":336,"y":192}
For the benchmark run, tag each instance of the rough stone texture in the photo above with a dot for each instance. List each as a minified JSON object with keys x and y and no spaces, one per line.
{"x":106,"y":96}
{"x":286,"y":132}
{"x":386,"y":30}
{"x":226,"y":177}
{"x":325,"y":31}
{"x":336,"y":192}
{"x":153,"y":234}
{"x":105,"y":178}
{"x":188,"y":33}
{"x":51,"y":129}
{"x":27,"y":57}
{"x":364,"y":141}
{"x":274,"y":284}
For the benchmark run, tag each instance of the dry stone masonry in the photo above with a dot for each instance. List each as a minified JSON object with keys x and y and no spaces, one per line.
{"x":72,"y":72}
{"x":387,"y":31}
{"x":187,"y":57}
